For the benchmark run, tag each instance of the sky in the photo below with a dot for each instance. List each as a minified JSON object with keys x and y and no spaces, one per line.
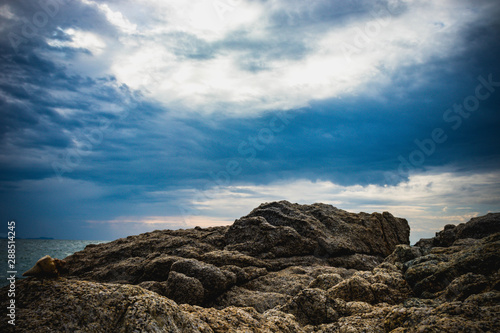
{"x":122,"y":117}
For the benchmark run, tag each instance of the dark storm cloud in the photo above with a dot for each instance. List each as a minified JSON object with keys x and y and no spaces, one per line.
{"x":76,"y":142}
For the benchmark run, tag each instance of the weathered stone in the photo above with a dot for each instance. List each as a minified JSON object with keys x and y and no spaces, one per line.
{"x":402,"y":254}
{"x":158,"y":268}
{"x":325,"y":281}
{"x":289,"y":281}
{"x":476,"y":228}
{"x":464,"y":286}
{"x":213,"y":279}
{"x":282,"y":268}
{"x":313,"y":306}
{"x":355,"y":288}
{"x":235,"y":258}
{"x":157,"y":287}
{"x":259,"y":300}
{"x":256,"y":237}
{"x":184,"y":289}
{"x":81,"y":306}
{"x":334,"y":231}
{"x":434,"y":272}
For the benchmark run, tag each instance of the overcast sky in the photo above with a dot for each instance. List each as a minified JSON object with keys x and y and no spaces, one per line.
{"x":121,"y":117}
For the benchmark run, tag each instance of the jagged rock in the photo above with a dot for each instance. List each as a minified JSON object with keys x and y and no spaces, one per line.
{"x":282,"y":268}
{"x":432,"y":273}
{"x":261,"y":301}
{"x":256,"y":237}
{"x":382,"y":285}
{"x":402,"y":254}
{"x":289,"y":281}
{"x":234,"y":258}
{"x":355,"y":288}
{"x":157,"y":287}
{"x":124,"y":271}
{"x":213,"y":279}
{"x":444,"y":317}
{"x":82,"y":306}
{"x":273,"y":236}
{"x":158,"y":268}
{"x":464,"y":286}
{"x":356,"y":261}
{"x":111,"y":262}
{"x":332,"y":231}
{"x":234,"y":319}
{"x":313,"y":306}
{"x":479,"y":227}
{"x":245,"y":274}
{"x":476,"y":228}
{"x":184,"y":289}
{"x":326,"y":281}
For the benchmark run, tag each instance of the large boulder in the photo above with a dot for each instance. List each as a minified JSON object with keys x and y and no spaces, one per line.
{"x":256,"y":237}
{"x":318,"y":229}
{"x":194,"y":273}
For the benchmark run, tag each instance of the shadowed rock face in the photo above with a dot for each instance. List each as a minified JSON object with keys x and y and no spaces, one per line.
{"x":476,"y":228}
{"x":315,"y":229}
{"x":282,"y":268}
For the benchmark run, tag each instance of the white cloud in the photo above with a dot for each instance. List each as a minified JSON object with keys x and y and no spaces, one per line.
{"x":80,"y":40}
{"x":5,"y":12}
{"x":381,"y":46}
{"x":116,"y":18}
{"x":422,"y":200}
{"x":339,"y":60}
{"x":210,"y":20}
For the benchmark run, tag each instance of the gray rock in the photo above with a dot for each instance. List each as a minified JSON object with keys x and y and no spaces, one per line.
{"x":326,"y":281}
{"x":81,"y":306}
{"x":333,"y":231}
{"x":184,"y":289}
{"x":213,"y":279}
{"x":256,"y":237}
{"x":431,"y":274}
{"x":259,"y":300}
{"x":282,"y":268}
{"x":476,"y":228}
{"x":315,"y":307}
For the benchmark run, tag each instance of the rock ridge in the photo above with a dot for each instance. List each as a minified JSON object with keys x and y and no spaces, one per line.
{"x":284,"y":267}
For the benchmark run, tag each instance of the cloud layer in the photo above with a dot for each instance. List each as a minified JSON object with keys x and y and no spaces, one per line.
{"x":122,"y":116}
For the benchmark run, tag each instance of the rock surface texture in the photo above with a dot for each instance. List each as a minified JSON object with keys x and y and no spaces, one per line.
{"x":282,"y":268}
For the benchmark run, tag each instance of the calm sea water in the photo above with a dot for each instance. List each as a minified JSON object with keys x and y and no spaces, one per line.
{"x":28,"y":251}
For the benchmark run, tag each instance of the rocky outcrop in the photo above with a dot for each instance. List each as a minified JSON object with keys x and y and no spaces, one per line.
{"x":80,"y":306}
{"x":196,"y":266}
{"x":282,"y":268}
{"x":324,"y":229}
{"x":476,"y":228}
{"x":431,"y":275}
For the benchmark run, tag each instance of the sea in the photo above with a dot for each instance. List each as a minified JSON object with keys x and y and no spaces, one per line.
{"x":28,"y":251}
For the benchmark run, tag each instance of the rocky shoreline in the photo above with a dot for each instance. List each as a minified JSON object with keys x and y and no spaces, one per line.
{"x":282,"y":268}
